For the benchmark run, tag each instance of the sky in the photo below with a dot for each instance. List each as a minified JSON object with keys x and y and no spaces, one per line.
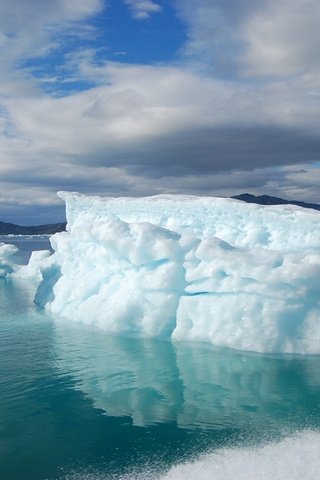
{"x":143,"y":97}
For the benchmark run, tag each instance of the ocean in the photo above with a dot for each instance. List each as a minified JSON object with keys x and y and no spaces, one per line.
{"x":77,"y":403}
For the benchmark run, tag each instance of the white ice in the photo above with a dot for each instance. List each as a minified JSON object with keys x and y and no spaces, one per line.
{"x":191,"y":268}
{"x":39,"y":260}
{"x":7,"y":264}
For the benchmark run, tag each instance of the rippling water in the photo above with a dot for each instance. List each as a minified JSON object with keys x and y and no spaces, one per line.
{"x":77,"y":403}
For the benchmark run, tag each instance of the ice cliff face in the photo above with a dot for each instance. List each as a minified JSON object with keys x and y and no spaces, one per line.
{"x":208,"y":269}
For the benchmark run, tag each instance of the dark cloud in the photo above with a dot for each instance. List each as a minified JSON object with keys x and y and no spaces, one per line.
{"x":213,"y":150}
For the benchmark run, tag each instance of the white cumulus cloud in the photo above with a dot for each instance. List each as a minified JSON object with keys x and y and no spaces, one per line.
{"x":262,"y":38}
{"x":143,"y":9}
{"x":282,"y":38}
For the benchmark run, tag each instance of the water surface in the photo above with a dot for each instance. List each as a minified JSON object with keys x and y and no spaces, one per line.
{"x":78,"y":403}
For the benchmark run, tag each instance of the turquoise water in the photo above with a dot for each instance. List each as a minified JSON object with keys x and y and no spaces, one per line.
{"x":77,"y":403}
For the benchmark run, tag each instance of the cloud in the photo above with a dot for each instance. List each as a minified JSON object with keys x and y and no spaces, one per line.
{"x":157,"y":122}
{"x":282,"y":38}
{"x":32,"y":30}
{"x":35,"y":204}
{"x":274,"y":38}
{"x":143,"y":9}
{"x":142,"y":129}
{"x":136,"y":104}
{"x":210,"y":35}
{"x":29,"y":29}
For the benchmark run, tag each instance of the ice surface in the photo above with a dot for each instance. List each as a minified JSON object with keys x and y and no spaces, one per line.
{"x":7,"y":265}
{"x":33,"y":270}
{"x":191,"y":268}
{"x":278,"y":227}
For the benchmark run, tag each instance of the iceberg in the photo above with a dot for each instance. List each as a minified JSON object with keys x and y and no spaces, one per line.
{"x":217,"y":270}
{"x":7,"y":265}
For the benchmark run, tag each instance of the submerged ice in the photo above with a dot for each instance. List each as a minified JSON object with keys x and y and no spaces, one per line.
{"x":192,"y":268}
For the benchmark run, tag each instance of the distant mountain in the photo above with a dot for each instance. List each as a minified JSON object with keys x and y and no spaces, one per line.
{"x":267,"y":200}
{"x":12,"y":229}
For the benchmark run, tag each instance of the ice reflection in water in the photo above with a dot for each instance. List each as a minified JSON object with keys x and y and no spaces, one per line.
{"x":154,"y":381}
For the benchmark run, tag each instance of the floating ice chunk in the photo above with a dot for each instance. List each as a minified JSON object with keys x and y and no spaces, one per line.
{"x":7,"y":265}
{"x":207,"y":269}
{"x":33,"y":269}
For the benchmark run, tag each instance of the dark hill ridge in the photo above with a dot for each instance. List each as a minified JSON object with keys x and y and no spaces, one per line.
{"x":12,"y":229}
{"x":267,"y":200}
{"x":50,"y":229}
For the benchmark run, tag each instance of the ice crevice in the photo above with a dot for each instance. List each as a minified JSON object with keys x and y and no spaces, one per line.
{"x":191,"y":268}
